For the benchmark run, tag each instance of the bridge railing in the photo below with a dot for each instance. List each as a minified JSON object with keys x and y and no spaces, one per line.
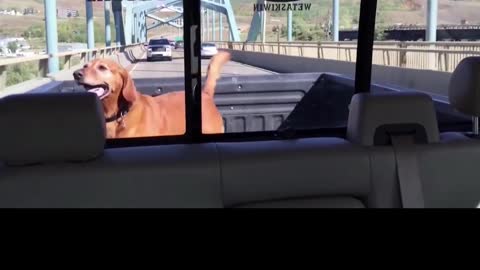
{"x":439,"y":56}
{"x":67,"y":61}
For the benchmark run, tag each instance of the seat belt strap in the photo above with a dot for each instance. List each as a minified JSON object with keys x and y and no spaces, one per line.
{"x":408,"y":172}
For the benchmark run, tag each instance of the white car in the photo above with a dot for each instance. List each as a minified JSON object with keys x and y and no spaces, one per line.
{"x":159,"y":48}
{"x":26,"y":53}
{"x":208,"y":50}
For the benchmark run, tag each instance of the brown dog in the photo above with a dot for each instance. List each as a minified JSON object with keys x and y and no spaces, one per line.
{"x":131,"y":114}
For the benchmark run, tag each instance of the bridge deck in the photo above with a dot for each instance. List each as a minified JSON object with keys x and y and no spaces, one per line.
{"x":176,"y":68}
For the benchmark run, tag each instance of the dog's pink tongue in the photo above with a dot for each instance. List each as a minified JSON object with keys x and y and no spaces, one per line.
{"x":99,"y":91}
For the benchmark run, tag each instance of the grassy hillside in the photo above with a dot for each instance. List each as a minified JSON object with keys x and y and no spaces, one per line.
{"x":33,"y":27}
{"x":312,"y":24}
{"x":38,"y":4}
{"x":392,"y":11}
{"x":389,"y":12}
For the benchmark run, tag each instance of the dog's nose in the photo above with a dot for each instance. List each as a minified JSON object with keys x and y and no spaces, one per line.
{"x":78,"y":75}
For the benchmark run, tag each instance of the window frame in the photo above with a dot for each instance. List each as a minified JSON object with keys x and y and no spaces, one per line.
{"x":366,"y":37}
{"x":193,"y":86}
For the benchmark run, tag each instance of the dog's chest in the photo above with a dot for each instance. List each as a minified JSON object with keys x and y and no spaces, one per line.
{"x":113,"y":129}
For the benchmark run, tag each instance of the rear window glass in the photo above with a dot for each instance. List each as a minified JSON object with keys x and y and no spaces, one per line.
{"x":286,"y":55}
{"x":117,"y":67}
{"x":419,"y":44}
{"x":283,"y":74}
{"x":292,"y":63}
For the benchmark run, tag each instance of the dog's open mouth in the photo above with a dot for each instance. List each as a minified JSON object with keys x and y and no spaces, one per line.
{"x":102,"y":91}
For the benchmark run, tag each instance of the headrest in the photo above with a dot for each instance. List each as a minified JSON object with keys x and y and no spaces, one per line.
{"x":374,"y":117}
{"x":37,"y":128}
{"x":464,"y":89}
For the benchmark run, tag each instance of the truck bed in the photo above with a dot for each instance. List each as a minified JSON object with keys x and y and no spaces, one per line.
{"x":274,"y":102}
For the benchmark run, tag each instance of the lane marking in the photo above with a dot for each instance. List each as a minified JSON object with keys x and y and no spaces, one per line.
{"x":136,"y":64}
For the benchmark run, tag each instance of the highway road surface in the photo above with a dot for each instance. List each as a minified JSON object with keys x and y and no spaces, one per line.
{"x":144,"y":69}
{"x":175,"y":68}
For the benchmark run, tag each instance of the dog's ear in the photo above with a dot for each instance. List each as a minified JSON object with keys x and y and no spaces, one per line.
{"x":129,"y":91}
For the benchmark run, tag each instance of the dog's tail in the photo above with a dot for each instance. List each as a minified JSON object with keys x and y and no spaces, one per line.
{"x":214,"y":70}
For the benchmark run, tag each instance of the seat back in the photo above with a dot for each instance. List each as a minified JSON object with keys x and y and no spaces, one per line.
{"x":52,"y":155}
{"x":50,"y":128}
{"x":170,"y":176}
{"x":323,"y":172}
{"x":375,"y":121}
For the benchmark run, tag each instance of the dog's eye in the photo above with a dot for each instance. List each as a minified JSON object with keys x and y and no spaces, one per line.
{"x":102,"y":67}
{"x":85,"y":66}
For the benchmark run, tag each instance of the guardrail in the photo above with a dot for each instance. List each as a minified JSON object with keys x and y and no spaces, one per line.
{"x":438,"y":56}
{"x":81,"y":57}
